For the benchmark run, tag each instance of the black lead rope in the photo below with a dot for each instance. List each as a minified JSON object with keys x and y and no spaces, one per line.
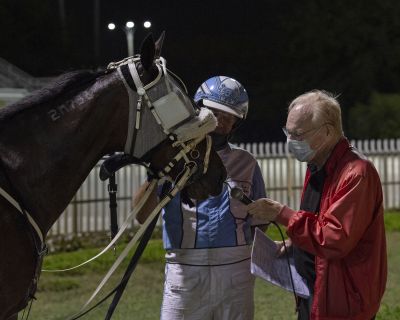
{"x":131,"y":267}
{"x":138,"y":253}
{"x":112,"y":191}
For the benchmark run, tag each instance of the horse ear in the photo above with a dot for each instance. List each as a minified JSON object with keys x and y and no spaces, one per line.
{"x":147,"y":52}
{"x":159,"y":44}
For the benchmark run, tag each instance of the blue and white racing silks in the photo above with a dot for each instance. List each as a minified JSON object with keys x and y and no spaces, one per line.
{"x":218,"y":229}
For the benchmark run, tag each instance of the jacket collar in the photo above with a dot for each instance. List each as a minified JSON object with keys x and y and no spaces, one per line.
{"x":337,"y":153}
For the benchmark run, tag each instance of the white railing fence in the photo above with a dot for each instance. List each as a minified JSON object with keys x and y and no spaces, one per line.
{"x":283,"y":175}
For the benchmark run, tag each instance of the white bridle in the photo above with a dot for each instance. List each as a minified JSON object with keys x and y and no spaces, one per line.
{"x":183,"y":125}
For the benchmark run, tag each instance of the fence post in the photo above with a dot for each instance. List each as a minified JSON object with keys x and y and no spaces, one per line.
{"x":74,"y":216}
{"x":385,"y":183}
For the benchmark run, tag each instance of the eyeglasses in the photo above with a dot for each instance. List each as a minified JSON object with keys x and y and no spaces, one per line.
{"x":298,"y":136}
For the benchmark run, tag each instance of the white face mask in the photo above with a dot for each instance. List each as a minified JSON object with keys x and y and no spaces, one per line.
{"x":301,"y":150}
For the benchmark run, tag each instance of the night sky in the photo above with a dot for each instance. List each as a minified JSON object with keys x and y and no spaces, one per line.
{"x":276,"y":48}
{"x":35,"y":28}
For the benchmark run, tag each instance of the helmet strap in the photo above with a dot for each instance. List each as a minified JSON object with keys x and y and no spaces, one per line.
{"x":220,"y":141}
{"x":237,"y":125}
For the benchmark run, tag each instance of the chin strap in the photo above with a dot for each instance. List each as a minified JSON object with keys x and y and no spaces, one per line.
{"x":220,"y":141}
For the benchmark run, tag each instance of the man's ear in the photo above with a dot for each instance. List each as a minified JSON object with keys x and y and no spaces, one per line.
{"x":329,"y":129}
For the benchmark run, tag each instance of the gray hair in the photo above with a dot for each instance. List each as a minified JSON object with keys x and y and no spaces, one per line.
{"x":325,"y":108}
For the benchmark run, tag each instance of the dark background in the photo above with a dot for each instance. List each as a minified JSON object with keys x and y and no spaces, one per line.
{"x":277,"y":49}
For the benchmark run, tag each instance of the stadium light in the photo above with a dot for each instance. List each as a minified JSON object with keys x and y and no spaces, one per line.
{"x":129,"y":30}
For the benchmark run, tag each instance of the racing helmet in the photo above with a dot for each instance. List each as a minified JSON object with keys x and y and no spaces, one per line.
{"x":225,"y":94}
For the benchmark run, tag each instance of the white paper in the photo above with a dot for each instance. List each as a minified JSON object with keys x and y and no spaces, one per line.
{"x":267,"y":266}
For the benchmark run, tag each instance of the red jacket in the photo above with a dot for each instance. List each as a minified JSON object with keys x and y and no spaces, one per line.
{"x":347,"y":238}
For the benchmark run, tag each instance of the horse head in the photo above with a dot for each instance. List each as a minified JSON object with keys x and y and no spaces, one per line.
{"x":179,"y":128}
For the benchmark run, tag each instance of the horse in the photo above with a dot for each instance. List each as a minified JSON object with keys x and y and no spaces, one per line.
{"x":50,"y":141}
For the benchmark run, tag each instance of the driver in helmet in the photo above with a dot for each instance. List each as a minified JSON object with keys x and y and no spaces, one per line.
{"x":208,"y":243}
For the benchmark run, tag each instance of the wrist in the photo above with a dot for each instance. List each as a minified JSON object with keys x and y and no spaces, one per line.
{"x":284,"y":215}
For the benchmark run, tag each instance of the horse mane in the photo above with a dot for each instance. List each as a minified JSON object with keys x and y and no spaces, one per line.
{"x":61,"y":89}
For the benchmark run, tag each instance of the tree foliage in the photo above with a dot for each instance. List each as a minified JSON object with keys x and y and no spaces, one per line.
{"x":379,"y":118}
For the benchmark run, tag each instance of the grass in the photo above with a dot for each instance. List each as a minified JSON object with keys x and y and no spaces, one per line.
{"x":61,"y":295}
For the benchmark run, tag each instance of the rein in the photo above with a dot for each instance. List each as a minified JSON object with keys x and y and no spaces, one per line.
{"x":171,"y":194}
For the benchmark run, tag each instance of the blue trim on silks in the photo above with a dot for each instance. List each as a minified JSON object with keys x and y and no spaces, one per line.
{"x":216,"y":225}
{"x":221,"y":221}
{"x":172,"y":223}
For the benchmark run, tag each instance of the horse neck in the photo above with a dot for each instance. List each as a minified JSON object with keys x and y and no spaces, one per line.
{"x":55,"y":147}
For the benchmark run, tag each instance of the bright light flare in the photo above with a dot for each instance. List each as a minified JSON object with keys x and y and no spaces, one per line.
{"x":130,"y":24}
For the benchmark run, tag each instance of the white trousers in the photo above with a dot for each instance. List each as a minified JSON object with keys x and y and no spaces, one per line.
{"x":208,"y":292}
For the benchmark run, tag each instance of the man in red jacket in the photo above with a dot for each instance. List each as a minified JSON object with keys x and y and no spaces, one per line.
{"x":338,"y":234}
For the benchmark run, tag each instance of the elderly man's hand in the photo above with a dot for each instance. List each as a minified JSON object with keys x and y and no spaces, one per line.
{"x":264,"y":208}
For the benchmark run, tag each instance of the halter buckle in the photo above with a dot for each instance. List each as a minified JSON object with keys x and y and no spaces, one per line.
{"x":140,"y":91}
